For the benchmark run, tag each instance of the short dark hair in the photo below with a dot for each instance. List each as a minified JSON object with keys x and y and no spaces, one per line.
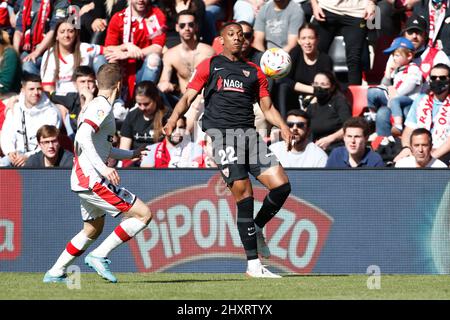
{"x":30,"y":77}
{"x":418,"y":132}
{"x":46,"y":131}
{"x":309,"y":26}
{"x":186,"y":13}
{"x":83,"y":71}
{"x":441,"y":66}
{"x":300,"y":113}
{"x":357,"y":122}
{"x":227,"y":24}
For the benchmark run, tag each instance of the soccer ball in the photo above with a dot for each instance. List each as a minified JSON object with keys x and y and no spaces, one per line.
{"x":276,"y":63}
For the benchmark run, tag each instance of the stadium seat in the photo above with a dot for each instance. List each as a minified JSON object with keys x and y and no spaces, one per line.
{"x":357,"y":96}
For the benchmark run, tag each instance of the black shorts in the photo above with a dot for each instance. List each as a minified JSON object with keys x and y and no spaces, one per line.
{"x":238,"y":152}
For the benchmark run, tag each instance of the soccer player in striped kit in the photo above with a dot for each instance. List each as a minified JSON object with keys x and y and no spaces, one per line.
{"x":97,"y":185}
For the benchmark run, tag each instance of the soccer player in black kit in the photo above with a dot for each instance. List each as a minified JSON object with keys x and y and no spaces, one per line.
{"x":231,"y":86}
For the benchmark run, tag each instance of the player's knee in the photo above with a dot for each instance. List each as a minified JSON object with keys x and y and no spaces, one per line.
{"x":279,"y":194}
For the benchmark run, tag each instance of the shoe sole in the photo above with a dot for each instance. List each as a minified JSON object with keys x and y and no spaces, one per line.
{"x":101,"y":275}
{"x":252,"y":277}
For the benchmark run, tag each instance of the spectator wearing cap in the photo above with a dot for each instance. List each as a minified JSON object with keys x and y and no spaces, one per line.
{"x":437,"y":14}
{"x":400,"y":86}
{"x":355,"y":153}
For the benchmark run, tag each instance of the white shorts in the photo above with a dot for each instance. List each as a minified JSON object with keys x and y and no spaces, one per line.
{"x":105,"y":198}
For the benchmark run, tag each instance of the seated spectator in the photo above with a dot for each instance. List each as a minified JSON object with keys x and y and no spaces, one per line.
{"x":247,"y":10}
{"x":436,"y":13}
{"x":400,"y":85}
{"x":175,"y":151}
{"x":33,"y":110}
{"x":355,"y":153}
{"x":95,"y":21}
{"x":70,"y":104}
{"x":328,"y":112}
{"x":66,"y":54}
{"x":430,"y":111}
{"x":172,"y":9}
{"x":36,"y":22}
{"x":51,"y":154}
{"x":144,"y":123}
{"x":295,"y":91}
{"x":277,"y":25}
{"x":420,"y":144}
{"x":304,"y":154}
{"x":137,"y":37}
{"x":183,"y":58}
{"x":10,"y":69}
{"x":348,"y":18}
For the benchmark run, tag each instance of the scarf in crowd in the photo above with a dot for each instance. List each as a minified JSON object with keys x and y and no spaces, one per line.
{"x":33,"y":37}
{"x":162,"y":155}
{"x":427,"y":61}
{"x":440,"y":125}
{"x":435,"y":25}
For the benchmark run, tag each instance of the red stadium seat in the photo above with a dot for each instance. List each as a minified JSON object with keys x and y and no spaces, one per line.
{"x":357,"y":95}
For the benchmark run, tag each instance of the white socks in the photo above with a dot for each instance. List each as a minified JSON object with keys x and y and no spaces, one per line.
{"x":253,"y":264}
{"x":126,"y":230}
{"x":74,"y":248}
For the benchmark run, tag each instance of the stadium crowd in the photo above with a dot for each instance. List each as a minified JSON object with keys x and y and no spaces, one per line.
{"x":396,"y":50}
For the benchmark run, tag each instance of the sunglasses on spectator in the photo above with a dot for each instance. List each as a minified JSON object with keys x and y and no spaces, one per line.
{"x":300,"y":125}
{"x":434,"y":78}
{"x":248,"y":35}
{"x":183,"y":24}
{"x":412,"y":31}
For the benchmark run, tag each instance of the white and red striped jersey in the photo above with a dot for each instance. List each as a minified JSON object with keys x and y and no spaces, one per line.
{"x":93,"y":143}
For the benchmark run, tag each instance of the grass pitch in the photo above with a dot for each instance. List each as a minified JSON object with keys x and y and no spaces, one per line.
{"x":171,"y":286}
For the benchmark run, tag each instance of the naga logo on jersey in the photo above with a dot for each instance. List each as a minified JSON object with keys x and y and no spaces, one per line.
{"x":197,"y":224}
{"x":229,"y":85}
{"x":10,"y":214}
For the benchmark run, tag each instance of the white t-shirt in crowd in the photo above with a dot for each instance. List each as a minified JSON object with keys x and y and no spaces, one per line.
{"x":312,"y":157}
{"x":410,"y":162}
{"x":64,"y":83}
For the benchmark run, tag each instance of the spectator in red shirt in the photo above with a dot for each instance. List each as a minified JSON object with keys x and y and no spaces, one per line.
{"x":136,"y":36}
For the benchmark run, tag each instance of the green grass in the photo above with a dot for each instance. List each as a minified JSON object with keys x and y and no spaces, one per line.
{"x":160,"y":286}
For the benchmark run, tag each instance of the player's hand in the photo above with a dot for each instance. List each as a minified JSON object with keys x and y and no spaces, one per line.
{"x":170,"y":126}
{"x":287,"y":136}
{"x":139,"y":153}
{"x":112,"y":175}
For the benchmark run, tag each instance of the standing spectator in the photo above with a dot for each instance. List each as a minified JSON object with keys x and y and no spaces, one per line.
{"x":430,"y":111}
{"x":304,"y":153}
{"x":277,"y":25}
{"x":137,"y":36}
{"x":172,"y":9}
{"x":144,"y":123}
{"x":51,"y":154}
{"x":437,"y":14}
{"x":420,"y":144}
{"x":399,"y":87}
{"x":247,"y":10}
{"x":296,"y":90}
{"x":36,"y":22}
{"x":66,"y":54}
{"x":10,"y":69}
{"x":70,"y":104}
{"x":214,"y":11}
{"x":328,"y":113}
{"x":175,"y":151}
{"x":33,"y":110}
{"x":355,"y":153}
{"x":349,"y":18}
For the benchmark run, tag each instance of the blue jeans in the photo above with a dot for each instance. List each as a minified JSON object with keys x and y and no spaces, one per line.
{"x":400,"y":106}
{"x":212,"y":14}
{"x":30,"y":66}
{"x":98,"y":62}
{"x":383,"y":122}
{"x":147,"y":73}
{"x":376,"y":98}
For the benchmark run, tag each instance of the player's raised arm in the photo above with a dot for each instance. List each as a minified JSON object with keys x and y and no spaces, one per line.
{"x":273,"y":116}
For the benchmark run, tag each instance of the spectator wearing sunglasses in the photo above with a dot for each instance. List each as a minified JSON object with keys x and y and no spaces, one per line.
{"x":430,"y":111}
{"x":304,"y":153}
